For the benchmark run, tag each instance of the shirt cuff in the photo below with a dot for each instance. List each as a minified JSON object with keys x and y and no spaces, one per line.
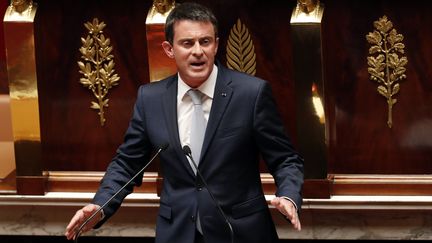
{"x":289,"y":199}
{"x":102,"y":214}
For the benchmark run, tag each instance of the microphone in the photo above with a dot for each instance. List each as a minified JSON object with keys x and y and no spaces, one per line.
{"x":78,"y":233}
{"x":188,"y":153}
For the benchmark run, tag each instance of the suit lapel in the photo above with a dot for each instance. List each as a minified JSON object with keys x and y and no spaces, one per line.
{"x":170,"y":111}
{"x":221,"y":99}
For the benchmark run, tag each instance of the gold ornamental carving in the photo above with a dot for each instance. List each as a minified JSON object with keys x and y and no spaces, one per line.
{"x":386,"y":64}
{"x":240,"y":50}
{"x":21,"y":10}
{"x":159,"y":11}
{"x":98,"y":66}
{"x":307,"y":11}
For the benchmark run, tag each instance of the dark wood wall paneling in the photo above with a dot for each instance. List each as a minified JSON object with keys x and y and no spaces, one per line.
{"x":360,"y":141}
{"x":72,"y":136}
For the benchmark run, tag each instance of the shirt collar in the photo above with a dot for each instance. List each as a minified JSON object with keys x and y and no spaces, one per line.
{"x":206,"y":88}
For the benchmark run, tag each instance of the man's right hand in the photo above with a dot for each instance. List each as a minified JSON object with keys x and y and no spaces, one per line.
{"x":79,"y":218}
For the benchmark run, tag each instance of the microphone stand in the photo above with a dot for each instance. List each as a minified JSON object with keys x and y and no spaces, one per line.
{"x":78,"y":232}
{"x":188,"y":153}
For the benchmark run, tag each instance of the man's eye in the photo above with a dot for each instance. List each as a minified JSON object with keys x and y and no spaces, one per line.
{"x":187,"y":43}
{"x":205,"y":42}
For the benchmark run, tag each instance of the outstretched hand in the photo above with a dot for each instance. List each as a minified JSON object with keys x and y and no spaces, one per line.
{"x":79,"y":218}
{"x":287,"y":208}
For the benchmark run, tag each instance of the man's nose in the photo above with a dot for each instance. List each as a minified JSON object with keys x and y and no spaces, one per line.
{"x":197,"y":49}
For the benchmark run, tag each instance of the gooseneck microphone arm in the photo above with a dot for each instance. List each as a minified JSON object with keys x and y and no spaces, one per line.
{"x":78,"y":232}
{"x":188,"y":153}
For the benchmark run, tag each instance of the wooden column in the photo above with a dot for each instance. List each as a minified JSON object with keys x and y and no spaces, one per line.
{"x":23,"y":89}
{"x":309,"y":90}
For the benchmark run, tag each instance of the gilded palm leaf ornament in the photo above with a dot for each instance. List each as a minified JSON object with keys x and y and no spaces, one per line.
{"x":98,"y":66}
{"x":240,"y":51}
{"x":386,"y":66}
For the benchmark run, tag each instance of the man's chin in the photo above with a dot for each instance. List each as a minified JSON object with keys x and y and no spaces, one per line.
{"x":199,"y":75}
{"x":196,"y":80}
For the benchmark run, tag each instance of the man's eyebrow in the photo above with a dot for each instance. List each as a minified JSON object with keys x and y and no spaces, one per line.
{"x":192,"y":39}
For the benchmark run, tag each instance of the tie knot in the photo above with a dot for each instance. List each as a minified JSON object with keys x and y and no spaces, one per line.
{"x":196,"y":96}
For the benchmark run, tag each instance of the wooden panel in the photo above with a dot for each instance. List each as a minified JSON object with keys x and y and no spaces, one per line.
{"x":71,"y":181}
{"x":360,"y":141}
{"x":72,"y":136}
{"x":269,"y":26}
{"x":30,"y":185}
{"x":394,"y":185}
{"x":82,"y":181}
{"x":307,"y":56}
{"x":316,"y":188}
{"x":4,"y":84}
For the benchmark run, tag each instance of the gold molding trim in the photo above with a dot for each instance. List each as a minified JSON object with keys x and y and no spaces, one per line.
{"x":240,"y":50}
{"x":386,"y":67}
{"x":98,"y":66}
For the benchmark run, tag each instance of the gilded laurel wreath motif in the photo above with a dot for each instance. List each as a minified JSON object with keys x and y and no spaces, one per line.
{"x":386,"y":67}
{"x":98,"y":66}
{"x":240,"y":50}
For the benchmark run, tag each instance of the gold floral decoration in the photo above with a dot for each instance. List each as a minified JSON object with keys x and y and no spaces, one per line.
{"x":98,"y":66}
{"x":385,"y":65}
{"x":240,"y":50}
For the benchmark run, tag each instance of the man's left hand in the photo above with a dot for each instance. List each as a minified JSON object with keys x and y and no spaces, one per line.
{"x":287,"y":208}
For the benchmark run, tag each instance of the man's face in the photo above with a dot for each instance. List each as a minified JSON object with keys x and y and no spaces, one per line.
{"x":194,"y":49}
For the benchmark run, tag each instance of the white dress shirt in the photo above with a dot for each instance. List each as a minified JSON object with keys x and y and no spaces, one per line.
{"x":185,"y":105}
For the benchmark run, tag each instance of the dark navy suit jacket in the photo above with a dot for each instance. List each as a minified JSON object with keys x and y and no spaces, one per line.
{"x":244,"y":123}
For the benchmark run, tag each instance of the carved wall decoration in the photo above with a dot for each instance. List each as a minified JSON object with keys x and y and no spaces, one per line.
{"x":98,"y":66}
{"x":159,"y":11}
{"x":240,"y":51}
{"x":307,"y":11}
{"x":385,"y":65}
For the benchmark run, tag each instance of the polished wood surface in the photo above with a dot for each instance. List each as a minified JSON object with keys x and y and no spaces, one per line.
{"x":308,"y":78}
{"x":160,"y":65}
{"x":394,"y":185}
{"x":72,"y":136}
{"x":4,"y":84}
{"x":359,"y":140}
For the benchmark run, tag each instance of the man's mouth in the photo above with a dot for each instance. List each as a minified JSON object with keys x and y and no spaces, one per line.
{"x":197,"y":64}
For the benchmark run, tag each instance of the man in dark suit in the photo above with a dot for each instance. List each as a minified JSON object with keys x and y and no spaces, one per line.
{"x":242,"y":124}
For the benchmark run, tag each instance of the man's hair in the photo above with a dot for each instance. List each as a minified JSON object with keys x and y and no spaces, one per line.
{"x":188,"y":11}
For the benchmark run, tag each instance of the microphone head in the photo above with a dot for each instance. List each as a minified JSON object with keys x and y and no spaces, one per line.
{"x":164,"y":146}
{"x":187,"y":150}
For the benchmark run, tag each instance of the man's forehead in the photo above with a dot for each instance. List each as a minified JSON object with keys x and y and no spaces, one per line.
{"x":192,"y":22}
{"x":194,"y":29}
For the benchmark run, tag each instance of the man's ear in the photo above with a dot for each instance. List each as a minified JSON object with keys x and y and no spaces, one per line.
{"x":217,"y":45}
{"x":168,"y":49}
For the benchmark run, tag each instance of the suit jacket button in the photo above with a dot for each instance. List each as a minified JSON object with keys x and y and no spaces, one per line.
{"x":199,"y":188}
{"x":193,"y":218}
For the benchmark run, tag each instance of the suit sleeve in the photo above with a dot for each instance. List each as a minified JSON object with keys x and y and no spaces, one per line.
{"x":131,"y":156}
{"x":283,"y":161}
